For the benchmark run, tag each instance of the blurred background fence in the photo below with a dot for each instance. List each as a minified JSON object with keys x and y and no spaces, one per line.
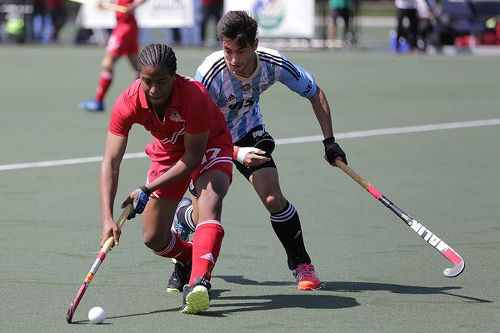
{"x":302,"y":24}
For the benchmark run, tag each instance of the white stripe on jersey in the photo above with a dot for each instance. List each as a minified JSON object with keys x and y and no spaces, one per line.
{"x":238,"y":97}
{"x":217,"y":160}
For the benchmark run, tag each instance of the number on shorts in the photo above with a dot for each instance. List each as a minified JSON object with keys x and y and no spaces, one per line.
{"x":210,"y":154}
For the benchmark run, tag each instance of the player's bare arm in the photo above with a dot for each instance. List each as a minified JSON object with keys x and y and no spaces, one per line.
{"x":108,"y":184}
{"x":322,"y":111}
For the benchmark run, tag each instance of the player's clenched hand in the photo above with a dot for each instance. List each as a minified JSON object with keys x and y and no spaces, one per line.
{"x":333,"y":151}
{"x":108,"y":229}
{"x":250,"y":156}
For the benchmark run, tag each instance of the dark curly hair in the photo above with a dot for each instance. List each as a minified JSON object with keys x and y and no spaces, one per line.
{"x":237,"y":25}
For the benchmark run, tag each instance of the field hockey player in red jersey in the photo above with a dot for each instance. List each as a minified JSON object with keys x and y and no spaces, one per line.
{"x":191,"y":143}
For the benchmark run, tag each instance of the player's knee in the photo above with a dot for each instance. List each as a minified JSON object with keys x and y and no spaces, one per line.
{"x":108,"y":67}
{"x":148,"y":241}
{"x":274,"y":202}
{"x":154,"y":241}
{"x":107,"y":64}
{"x":211,"y":200}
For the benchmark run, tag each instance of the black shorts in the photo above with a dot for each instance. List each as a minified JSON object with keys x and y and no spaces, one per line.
{"x":249,"y":141}
{"x":341,"y":12}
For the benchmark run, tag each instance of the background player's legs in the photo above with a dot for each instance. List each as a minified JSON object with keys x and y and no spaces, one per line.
{"x":332,"y":28}
{"x":345,"y":18}
{"x":105,"y":80}
{"x":106,"y":77}
{"x":400,"y":30}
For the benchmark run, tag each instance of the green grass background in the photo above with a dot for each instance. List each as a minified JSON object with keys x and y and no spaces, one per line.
{"x":379,"y":276}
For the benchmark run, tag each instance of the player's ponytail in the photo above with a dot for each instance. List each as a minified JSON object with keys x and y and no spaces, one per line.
{"x":158,"y":55}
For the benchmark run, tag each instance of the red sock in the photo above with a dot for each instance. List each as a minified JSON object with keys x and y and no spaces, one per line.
{"x":207,"y":242}
{"x":178,"y":249}
{"x":105,"y":79}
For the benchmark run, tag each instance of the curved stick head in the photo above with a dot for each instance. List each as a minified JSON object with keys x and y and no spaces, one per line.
{"x":69,"y":315}
{"x":455,"y":270}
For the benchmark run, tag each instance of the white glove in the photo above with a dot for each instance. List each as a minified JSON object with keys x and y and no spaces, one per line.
{"x":241,"y":152}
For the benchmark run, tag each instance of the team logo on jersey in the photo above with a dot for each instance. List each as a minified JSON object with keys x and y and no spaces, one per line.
{"x":173,"y":115}
{"x":246,"y":88}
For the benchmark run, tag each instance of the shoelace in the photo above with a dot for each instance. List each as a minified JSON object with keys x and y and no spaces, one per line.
{"x":305,"y":270}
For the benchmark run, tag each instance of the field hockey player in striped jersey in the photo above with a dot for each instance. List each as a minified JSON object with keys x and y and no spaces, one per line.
{"x":235,"y":77}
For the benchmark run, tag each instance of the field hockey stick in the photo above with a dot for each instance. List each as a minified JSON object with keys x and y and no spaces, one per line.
{"x":422,"y":231}
{"x":108,"y":244}
{"x":105,"y":5}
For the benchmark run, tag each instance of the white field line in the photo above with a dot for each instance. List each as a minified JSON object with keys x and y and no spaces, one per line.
{"x":347,"y":135}
{"x":395,"y":130}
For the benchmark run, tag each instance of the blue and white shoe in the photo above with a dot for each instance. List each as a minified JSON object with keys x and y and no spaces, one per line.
{"x":92,"y":105}
{"x":180,"y":224}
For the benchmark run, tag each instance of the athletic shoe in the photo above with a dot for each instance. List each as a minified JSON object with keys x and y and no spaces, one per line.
{"x":306,"y":277}
{"x":180,"y":277}
{"x":196,"y":298}
{"x":182,"y":231}
{"x":92,"y":105}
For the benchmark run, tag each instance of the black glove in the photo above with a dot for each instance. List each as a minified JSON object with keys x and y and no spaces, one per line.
{"x":333,"y":150}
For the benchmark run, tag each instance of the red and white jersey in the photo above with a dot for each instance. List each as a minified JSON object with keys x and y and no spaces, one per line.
{"x":191,"y":110}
